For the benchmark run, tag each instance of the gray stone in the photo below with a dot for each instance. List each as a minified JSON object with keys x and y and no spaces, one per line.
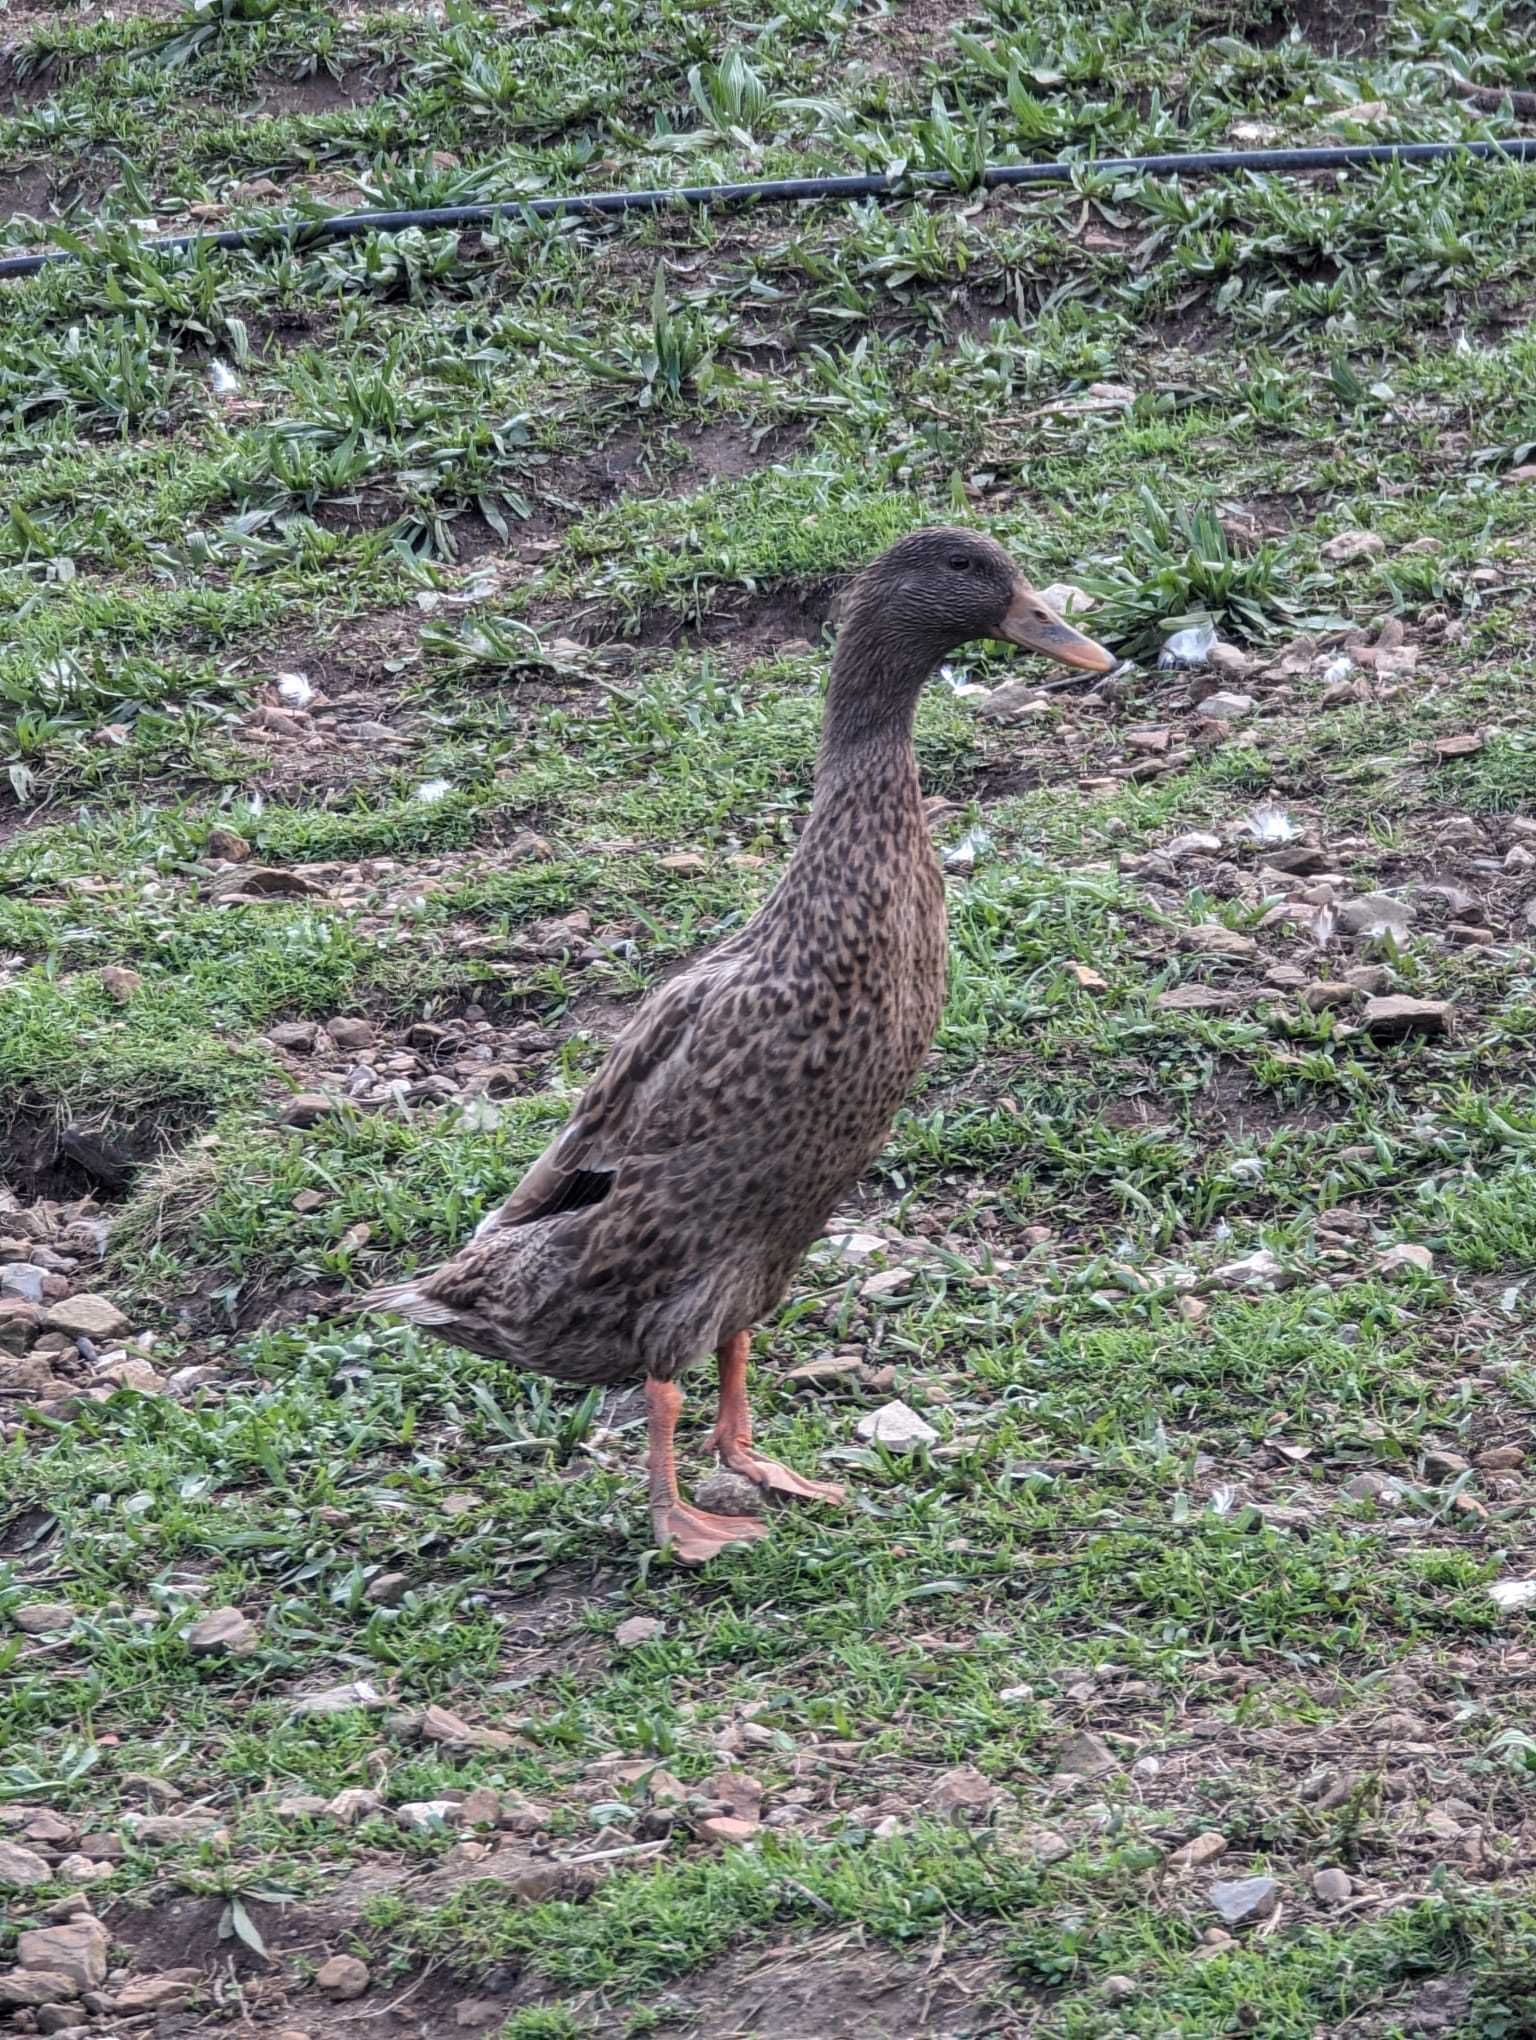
{"x":1084,"y":1756}
{"x":896,"y":1427}
{"x":23,"y":1280}
{"x":25,"y":1989}
{"x":43,"y":1618}
{"x":97,"y":1317}
{"x":21,"y":1868}
{"x":342,"y":1977}
{"x":78,"y":1950}
{"x":223,"y":1632}
{"x":1225,"y":707}
{"x":1331,"y":1887}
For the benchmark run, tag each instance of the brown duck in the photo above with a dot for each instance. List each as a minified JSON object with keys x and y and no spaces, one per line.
{"x":753,"y":1089}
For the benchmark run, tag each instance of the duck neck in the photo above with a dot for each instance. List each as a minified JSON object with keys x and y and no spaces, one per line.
{"x":866,"y":733}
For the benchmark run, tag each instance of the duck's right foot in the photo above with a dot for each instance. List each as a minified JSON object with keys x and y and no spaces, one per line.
{"x":695,"y":1535}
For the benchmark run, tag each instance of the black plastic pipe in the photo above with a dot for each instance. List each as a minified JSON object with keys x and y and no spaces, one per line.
{"x":1000,"y":177}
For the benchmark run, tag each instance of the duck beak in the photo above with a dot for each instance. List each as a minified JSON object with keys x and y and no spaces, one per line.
{"x":1037,"y":628}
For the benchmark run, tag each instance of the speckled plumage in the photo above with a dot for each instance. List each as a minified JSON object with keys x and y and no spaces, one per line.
{"x":750,"y":1092}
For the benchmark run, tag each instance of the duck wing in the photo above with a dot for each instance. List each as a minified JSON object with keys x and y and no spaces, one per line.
{"x":643,"y":1100}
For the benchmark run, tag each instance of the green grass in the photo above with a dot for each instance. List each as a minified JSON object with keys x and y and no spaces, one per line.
{"x":552,"y":521}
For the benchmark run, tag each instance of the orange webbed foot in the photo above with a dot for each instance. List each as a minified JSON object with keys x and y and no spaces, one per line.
{"x":696,"y":1536}
{"x":777,"y":1479}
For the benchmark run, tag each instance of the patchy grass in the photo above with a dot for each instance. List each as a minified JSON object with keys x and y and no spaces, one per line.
{"x":410,"y":650}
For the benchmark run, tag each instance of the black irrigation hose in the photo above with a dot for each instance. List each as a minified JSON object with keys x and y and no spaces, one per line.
{"x":1000,"y":177}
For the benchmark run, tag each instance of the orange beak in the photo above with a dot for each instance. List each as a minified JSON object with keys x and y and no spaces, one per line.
{"x":1037,"y":628}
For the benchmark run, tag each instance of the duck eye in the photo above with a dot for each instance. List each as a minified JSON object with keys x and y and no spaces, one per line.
{"x":959,"y":564}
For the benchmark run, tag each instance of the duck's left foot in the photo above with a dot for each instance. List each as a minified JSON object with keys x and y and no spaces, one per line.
{"x":695,"y":1535}
{"x":774,"y":1477}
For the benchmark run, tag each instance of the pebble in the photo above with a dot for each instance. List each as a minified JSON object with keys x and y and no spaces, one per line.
{"x":1213,"y":938}
{"x":1259,"y":1270}
{"x":1325,"y":993}
{"x":727,"y":1828}
{"x":25,"y":1989}
{"x":343,"y":1976}
{"x":965,"y":1790}
{"x":1244,"y":1899}
{"x":22,"y":1280}
{"x":638,"y":1630}
{"x":97,"y":1317}
{"x":1119,"y":1990}
{"x":896,"y":1427}
{"x":42,"y":1618}
{"x":1394,"y":1019}
{"x":1225,"y":707}
{"x":728,"y":1494}
{"x":1195,"y":999}
{"x":165,"y":1993}
{"x":1397,"y":1260}
{"x":1196,"y":1853}
{"x":426,"y":1815}
{"x":223,"y":1632}
{"x":351,"y":1033}
{"x":307,"y":1108}
{"x":340,"y":1699}
{"x":1350,"y":546}
{"x":21,"y":1868}
{"x":78,"y":1949}
{"x":1084,"y":1756}
{"x":1332,"y":1887}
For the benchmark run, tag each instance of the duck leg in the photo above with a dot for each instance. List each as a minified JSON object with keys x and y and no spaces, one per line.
{"x":733,"y":1433}
{"x":692,"y":1533}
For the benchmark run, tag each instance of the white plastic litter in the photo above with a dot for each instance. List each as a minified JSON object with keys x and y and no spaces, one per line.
{"x":1190,"y":647}
{"x":962,"y":856}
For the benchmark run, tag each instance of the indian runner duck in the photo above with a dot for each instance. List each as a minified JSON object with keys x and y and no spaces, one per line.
{"x":751,"y":1090}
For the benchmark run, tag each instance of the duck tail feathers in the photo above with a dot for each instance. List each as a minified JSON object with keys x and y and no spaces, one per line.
{"x":407,"y":1300}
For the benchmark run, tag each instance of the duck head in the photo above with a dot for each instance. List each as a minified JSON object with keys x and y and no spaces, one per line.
{"x":943,"y":587}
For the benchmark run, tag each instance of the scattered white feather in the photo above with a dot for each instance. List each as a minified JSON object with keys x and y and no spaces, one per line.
{"x":1269,"y":823}
{"x":295,"y":690}
{"x":222,"y":377}
{"x":431,"y":791}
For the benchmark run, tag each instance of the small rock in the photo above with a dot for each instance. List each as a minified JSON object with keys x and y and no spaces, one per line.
{"x":1394,"y":1019}
{"x":1224,"y":707}
{"x":1513,"y":1595}
{"x":727,"y":1829}
{"x":226,"y":844}
{"x":307,"y":1108}
{"x":1375,"y":914}
{"x":342,"y":1977}
{"x":684,"y":862}
{"x":94,"y":1317}
{"x":120,"y":984}
{"x":1465,"y":745}
{"x":1501,"y":1458}
{"x":298,"y":1036}
{"x":1211,"y":938}
{"x":350,"y":1033}
{"x":154,"y":1994}
{"x":223,"y":1632}
{"x":388,"y":1589}
{"x":728,"y":1494}
{"x":1195,"y":999}
{"x":896,"y":1427}
{"x":472,"y":2012}
{"x":965,"y":1791}
{"x":1244,"y":1899}
{"x":169,"y":1830}
{"x":1084,"y":1756}
{"x":637,"y":1630}
{"x":1325,"y":993}
{"x":1196,"y":844}
{"x":306,"y":1201}
{"x":1373,"y":1487}
{"x":885,"y":1282}
{"x":426,"y":1815}
{"x":1258,"y":1270}
{"x":1119,"y":1990}
{"x":1066,"y":599}
{"x":43,"y":1618}
{"x":78,"y":1949}
{"x":1196,"y":1853}
{"x":340,"y":1699}
{"x":354,"y":1804}
{"x":442,"y":1725}
{"x":21,"y":1868}
{"x":22,"y":1280}
{"x":1350,"y":546}
{"x":1369,"y":979}
{"x":1332,"y":1887}
{"x":25,"y":1989}
{"x":1441,"y":1464}
{"x":1396,"y":1260}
